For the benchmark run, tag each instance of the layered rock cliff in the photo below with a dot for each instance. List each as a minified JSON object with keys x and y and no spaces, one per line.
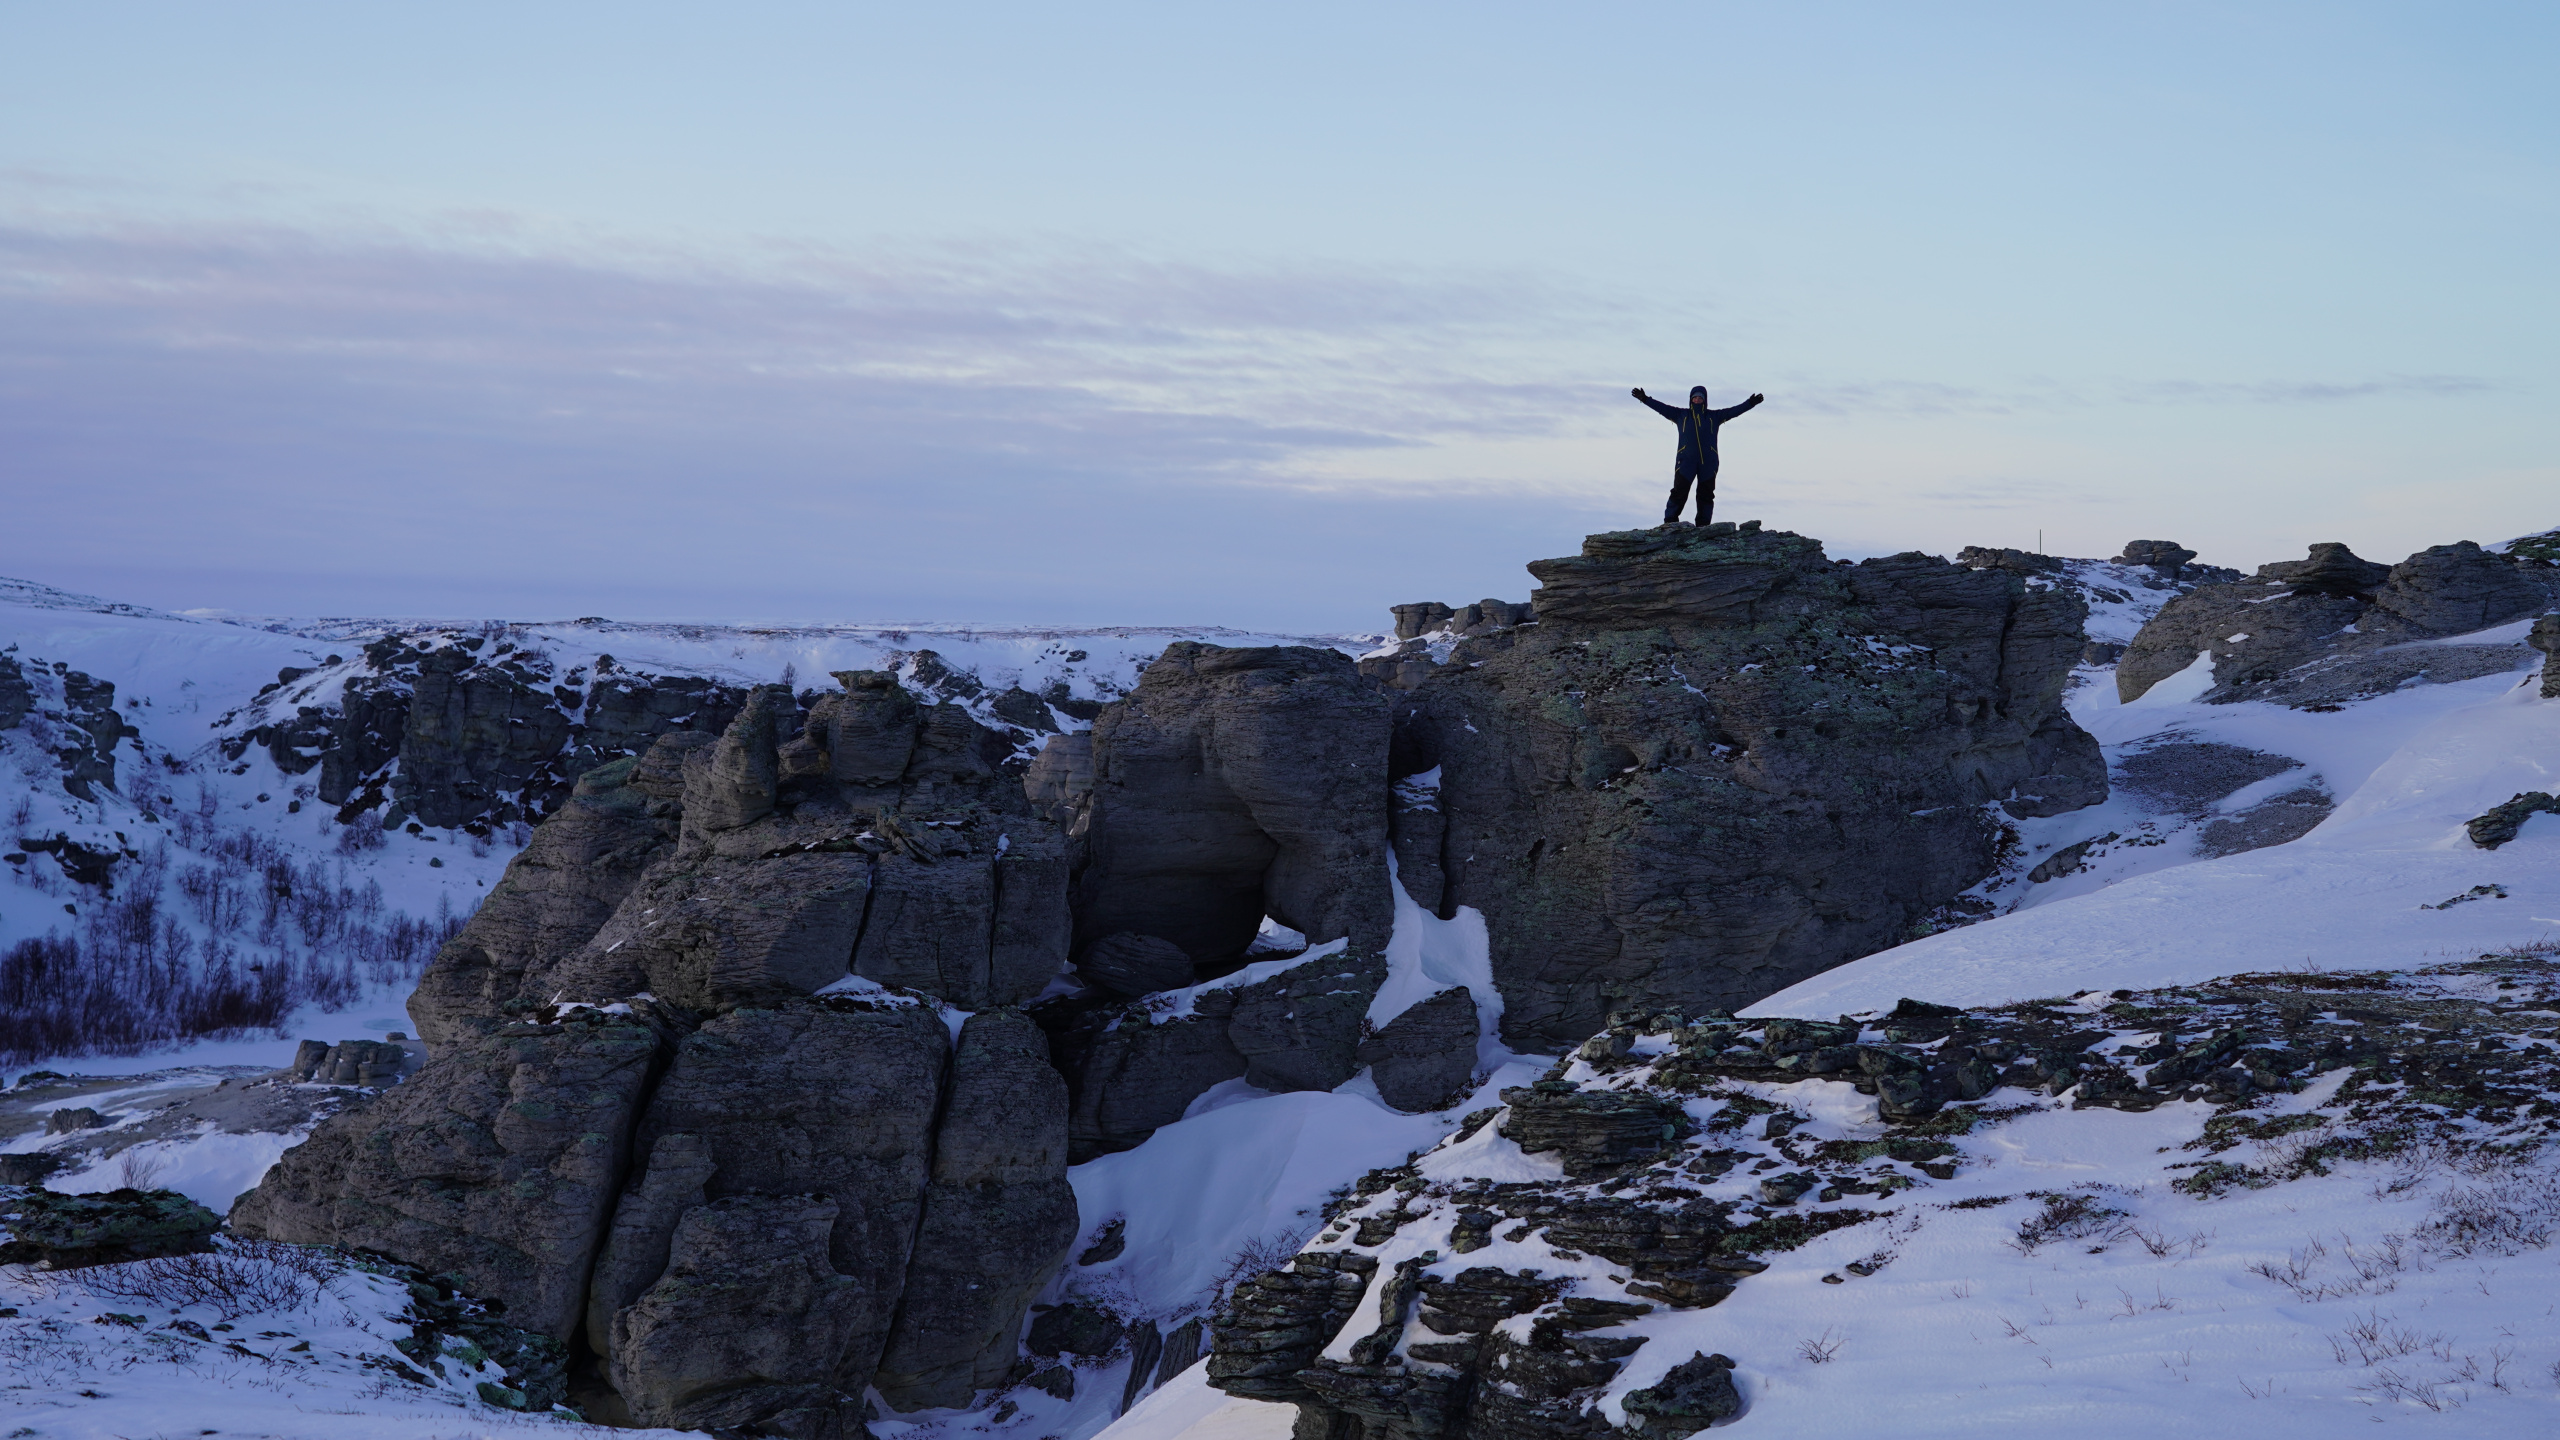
{"x":1718,"y":762}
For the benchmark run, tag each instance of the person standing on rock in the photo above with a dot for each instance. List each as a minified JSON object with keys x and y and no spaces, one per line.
{"x":1697,"y":462}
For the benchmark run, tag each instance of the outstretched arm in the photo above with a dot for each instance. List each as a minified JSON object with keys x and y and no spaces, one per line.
{"x":1730,"y":411}
{"x":1667,"y":412}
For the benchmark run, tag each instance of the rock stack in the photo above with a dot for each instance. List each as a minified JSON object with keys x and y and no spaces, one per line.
{"x":643,"y":1131}
{"x":1717,"y":762}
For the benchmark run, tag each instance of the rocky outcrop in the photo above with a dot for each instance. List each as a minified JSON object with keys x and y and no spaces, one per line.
{"x":2335,"y":627}
{"x":1132,"y":1068}
{"x":643,"y":1130}
{"x":998,"y":1217}
{"x":1235,"y":784}
{"x":74,"y":716}
{"x":499,"y":1162}
{"x":558,"y":892}
{"x":748,"y":1326}
{"x":1425,"y":1057}
{"x":2546,"y":638}
{"x":1719,"y":762}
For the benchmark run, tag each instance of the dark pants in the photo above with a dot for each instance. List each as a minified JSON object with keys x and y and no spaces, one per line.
{"x":1682,"y":475}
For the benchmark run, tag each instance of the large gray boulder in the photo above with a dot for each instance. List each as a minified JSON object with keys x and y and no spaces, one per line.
{"x":999,"y":1217}
{"x":1234,"y":784}
{"x":2458,"y":588}
{"x":1423,"y":1058}
{"x":499,"y":1162}
{"x":1719,"y":763}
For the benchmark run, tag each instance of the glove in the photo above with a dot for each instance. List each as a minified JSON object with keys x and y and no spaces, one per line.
{"x":1637,"y":392}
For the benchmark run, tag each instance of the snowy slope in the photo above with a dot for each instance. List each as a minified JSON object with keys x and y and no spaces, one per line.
{"x":2408,"y":769}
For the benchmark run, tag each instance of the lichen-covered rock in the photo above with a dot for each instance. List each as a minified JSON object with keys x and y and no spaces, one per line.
{"x":66,"y":1232}
{"x":499,"y":1162}
{"x":1590,"y":1131}
{"x":999,"y":1217}
{"x":748,"y":1326}
{"x":1234,"y":784}
{"x":2502,"y":823}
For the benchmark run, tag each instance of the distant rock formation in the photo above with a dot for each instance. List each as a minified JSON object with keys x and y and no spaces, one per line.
{"x":77,"y":715}
{"x":2333,"y":626}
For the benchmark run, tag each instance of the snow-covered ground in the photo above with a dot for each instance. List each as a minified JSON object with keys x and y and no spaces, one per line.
{"x":2302,"y":1307}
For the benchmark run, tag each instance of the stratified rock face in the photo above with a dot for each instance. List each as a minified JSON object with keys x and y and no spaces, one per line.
{"x":823,"y":1097}
{"x":2546,"y":638}
{"x":1719,"y":763}
{"x":2335,"y":627}
{"x":642,"y":1125}
{"x":2454,"y":589}
{"x":748,"y":1323}
{"x":498,"y":1162}
{"x":1234,"y":784}
{"x":556,"y":894}
{"x":999,"y":1217}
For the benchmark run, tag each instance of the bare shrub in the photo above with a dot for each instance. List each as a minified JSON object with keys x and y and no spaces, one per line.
{"x":2075,"y":1215}
{"x":1260,"y":1255}
{"x":2377,"y":1337}
{"x":139,"y":1167}
{"x":2507,"y":1216}
{"x":1821,"y":1349}
{"x":361,"y":834}
{"x":244,"y":1277}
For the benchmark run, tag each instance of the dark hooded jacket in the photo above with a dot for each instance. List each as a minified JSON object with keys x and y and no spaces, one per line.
{"x":1697,"y":426}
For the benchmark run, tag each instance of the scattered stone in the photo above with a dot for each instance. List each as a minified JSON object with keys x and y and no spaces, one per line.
{"x":2499,"y":825}
{"x":73,"y":1118}
{"x":1696,"y":1393}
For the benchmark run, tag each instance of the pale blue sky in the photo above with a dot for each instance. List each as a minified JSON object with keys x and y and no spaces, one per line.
{"x":1256,"y":316}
